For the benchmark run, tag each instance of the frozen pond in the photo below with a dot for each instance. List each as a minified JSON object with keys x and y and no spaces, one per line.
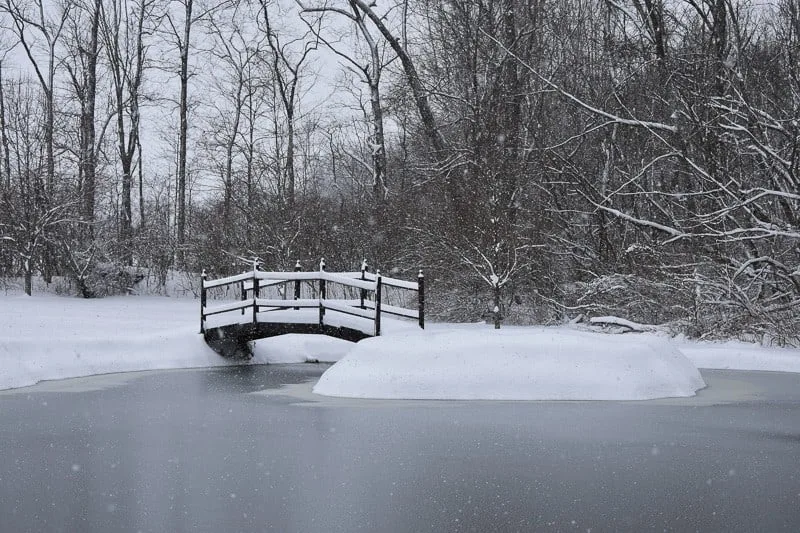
{"x":251,"y":449}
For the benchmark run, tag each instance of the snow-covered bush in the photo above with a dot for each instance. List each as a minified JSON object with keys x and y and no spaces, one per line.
{"x":633,"y":297}
{"x":108,"y":279}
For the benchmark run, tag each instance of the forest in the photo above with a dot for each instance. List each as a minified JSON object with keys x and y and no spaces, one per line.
{"x":555,"y":160}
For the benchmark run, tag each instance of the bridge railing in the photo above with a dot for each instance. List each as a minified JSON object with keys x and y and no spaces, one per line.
{"x":370,"y":287}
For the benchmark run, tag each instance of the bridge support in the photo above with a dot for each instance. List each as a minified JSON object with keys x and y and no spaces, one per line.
{"x":323,"y":294}
{"x":297,"y":268}
{"x":378,"y":299}
{"x":203,"y":278}
{"x":421,"y":298}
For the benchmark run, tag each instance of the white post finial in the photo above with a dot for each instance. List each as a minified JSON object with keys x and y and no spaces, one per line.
{"x":364,"y":265}
{"x":322,"y":264}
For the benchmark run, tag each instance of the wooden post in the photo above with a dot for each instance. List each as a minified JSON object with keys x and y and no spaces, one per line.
{"x":322,"y":293}
{"x":255,"y":290}
{"x":297,"y":268}
{"x":244,"y":293}
{"x":421,"y":294}
{"x":364,"y":270}
{"x":378,"y":284}
{"x":203,"y":278}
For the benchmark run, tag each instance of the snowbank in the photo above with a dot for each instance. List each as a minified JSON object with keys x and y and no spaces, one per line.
{"x":49,"y":337}
{"x":512,"y":364}
{"x":741,"y":356}
{"x":28,"y":362}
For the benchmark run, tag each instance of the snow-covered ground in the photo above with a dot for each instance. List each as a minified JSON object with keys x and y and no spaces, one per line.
{"x":50,"y":337}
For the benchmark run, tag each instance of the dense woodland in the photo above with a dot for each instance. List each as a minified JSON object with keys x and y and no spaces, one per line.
{"x":556,"y":158}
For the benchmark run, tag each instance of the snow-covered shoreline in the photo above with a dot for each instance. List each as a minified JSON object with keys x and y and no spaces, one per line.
{"x":50,"y":337}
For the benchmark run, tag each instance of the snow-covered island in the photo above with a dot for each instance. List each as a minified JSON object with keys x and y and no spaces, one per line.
{"x":516,"y":363}
{"x":49,"y":337}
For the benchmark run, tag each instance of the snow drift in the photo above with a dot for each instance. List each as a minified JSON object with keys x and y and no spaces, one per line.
{"x":512,"y":364}
{"x":299,"y":349}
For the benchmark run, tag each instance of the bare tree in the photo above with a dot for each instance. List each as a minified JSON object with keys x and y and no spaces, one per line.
{"x":238,"y":52}
{"x":6,"y":165}
{"x":413,"y":78}
{"x":31,"y":19}
{"x":696,"y":155}
{"x":179,"y":29}
{"x":28,"y":224}
{"x":123,"y":31}
{"x":82,"y":69}
{"x":288,"y":60}
{"x":370,"y":72}
{"x":182,"y":35}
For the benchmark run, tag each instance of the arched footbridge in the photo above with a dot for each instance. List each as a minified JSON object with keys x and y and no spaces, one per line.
{"x":352,"y":306}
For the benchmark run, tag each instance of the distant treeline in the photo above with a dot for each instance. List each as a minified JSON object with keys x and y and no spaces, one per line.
{"x":551,"y":158}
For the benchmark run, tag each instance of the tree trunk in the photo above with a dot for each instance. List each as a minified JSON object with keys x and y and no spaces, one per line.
{"x":28,"y":278}
{"x":49,"y":126}
{"x":47,"y":196}
{"x":496,"y":309}
{"x":88,"y":160}
{"x":250,"y":188}
{"x":126,"y":145}
{"x":4,"y":132}
{"x":228,"y":200}
{"x":184,"y":128}
{"x":141,"y":185}
{"x":290,"y":186}
{"x":126,"y":223}
{"x":378,"y":148}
